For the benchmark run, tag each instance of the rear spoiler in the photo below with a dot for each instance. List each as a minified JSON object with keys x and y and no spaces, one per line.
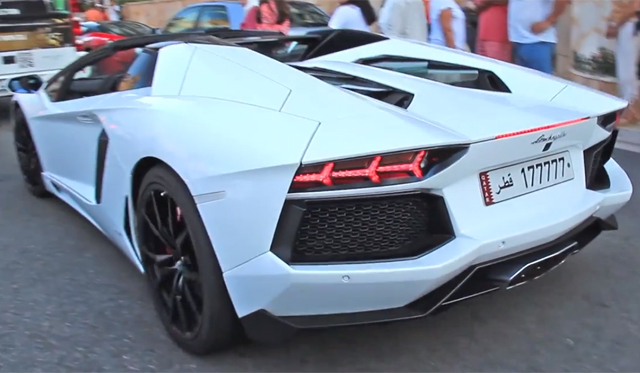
{"x":285,"y":48}
{"x":306,"y":39}
{"x":245,"y":37}
{"x":227,"y":33}
{"x":313,"y":44}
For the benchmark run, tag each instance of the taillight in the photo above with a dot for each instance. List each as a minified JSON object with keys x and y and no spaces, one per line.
{"x":610,"y":120}
{"x":384,"y":169}
{"x":543,"y":128}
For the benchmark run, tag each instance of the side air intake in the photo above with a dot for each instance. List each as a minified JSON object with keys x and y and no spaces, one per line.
{"x":362,"y":86}
{"x":443,"y":72}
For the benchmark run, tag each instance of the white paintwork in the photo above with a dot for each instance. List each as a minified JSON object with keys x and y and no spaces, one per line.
{"x":236,"y":125}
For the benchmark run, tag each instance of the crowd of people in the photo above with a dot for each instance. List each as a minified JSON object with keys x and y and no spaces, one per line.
{"x":520,"y":31}
{"x":623,"y":25}
{"x":516,"y":31}
{"x":98,"y":12}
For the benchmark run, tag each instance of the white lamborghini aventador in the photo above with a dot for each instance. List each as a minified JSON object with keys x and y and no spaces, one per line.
{"x":267,"y":183}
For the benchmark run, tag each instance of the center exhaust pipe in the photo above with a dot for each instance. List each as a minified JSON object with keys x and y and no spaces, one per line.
{"x":511,"y":275}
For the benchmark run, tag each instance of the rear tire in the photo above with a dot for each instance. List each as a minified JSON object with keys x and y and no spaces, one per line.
{"x":28,"y":158}
{"x":185,"y":279}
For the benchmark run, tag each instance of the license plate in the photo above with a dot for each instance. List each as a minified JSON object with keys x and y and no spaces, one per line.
{"x":24,"y":60}
{"x":527,"y":177}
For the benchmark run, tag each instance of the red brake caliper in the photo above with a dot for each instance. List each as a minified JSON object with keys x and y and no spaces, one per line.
{"x":178,"y":218}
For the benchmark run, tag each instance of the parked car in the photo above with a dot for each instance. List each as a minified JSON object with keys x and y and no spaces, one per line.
{"x":34,"y":39}
{"x":305,"y":17}
{"x":96,"y":34}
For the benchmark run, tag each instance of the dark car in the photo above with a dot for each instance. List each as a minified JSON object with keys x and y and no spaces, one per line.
{"x":306,"y":15}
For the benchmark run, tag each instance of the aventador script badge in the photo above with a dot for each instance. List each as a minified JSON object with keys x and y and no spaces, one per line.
{"x":547,"y":140}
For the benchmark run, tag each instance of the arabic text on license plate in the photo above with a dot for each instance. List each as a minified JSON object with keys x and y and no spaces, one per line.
{"x":24,"y":59}
{"x":519,"y":179}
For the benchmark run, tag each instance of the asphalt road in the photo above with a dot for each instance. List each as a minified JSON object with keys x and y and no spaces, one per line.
{"x":69,"y":301}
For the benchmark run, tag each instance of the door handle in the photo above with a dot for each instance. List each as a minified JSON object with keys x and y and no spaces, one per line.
{"x":85,"y":118}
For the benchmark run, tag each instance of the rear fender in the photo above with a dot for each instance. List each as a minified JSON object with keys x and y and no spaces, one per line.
{"x":237,"y":160}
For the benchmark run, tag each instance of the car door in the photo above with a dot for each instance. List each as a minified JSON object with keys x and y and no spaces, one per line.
{"x":69,"y":132}
{"x":183,"y":21}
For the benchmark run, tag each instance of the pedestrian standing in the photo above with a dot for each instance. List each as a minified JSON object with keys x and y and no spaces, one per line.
{"x":113,"y":11}
{"x":273,"y":15}
{"x":428,"y":16}
{"x":353,"y":15}
{"x":532,"y":30}
{"x":250,"y":14}
{"x":404,"y":19}
{"x":493,"y":38}
{"x":448,"y":24}
{"x":94,"y":14}
{"x":249,"y":5}
{"x":623,"y":26}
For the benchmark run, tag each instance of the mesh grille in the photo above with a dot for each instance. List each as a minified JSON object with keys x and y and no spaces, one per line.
{"x":594,"y":160}
{"x":363,"y":229}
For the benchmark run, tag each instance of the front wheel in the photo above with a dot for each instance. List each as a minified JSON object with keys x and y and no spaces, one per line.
{"x":181,"y":267}
{"x":28,"y":158}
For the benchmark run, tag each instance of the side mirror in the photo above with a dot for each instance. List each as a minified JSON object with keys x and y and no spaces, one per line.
{"x":157,"y":30}
{"x":25,"y":84}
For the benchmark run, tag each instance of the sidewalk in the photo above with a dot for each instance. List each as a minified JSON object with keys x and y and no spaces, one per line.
{"x":629,"y":138}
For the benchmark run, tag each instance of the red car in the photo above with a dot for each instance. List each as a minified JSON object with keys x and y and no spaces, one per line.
{"x":93,"y":35}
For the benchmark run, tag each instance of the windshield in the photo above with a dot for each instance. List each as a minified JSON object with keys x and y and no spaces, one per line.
{"x":126,"y":28}
{"x":307,"y":15}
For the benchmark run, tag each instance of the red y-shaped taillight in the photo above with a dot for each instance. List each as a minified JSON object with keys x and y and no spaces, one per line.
{"x":383,"y":169}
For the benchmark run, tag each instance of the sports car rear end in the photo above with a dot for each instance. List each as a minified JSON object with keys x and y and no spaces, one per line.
{"x":408,"y":201}
{"x":401,"y":251}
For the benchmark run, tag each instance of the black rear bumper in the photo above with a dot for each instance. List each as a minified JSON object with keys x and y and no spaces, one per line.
{"x":503,"y":273}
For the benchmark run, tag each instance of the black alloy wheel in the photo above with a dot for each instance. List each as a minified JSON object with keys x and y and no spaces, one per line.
{"x":167,"y":253}
{"x":28,"y":158}
{"x":184,"y":275}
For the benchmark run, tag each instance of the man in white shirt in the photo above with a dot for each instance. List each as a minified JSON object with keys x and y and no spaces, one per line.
{"x":448,"y":24}
{"x":404,"y":19}
{"x":114,"y":12}
{"x":532,"y":30}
